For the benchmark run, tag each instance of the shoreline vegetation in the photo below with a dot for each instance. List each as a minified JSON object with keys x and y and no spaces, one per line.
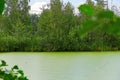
{"x":84,"y":52}
{"x":13,"y":74}
{"x":58,"y":29}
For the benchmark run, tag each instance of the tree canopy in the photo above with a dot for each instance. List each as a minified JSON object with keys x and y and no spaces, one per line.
{"x":58,"y":28}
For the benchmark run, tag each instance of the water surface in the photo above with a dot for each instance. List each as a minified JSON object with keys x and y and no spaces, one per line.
{"x":67,"y":66}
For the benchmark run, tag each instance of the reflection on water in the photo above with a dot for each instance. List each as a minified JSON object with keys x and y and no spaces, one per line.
{"x":64,"y":66}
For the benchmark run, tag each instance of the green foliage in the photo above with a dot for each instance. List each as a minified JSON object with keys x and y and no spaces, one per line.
{"x":17,"y":10}
{"x":105,"y":19}
{"x":113,"y":27}
{"x":13,"y":74}
{"x":99,"y":2}
{"x":90,"y":2}
{"x":87,"y":26}
{"x":3,"y":63}
{"x":15,"y":67}
{"x":2,"y":4}
{"x":105,"y":14}
{"x":86,"y":9}
{"x":58,"y":28}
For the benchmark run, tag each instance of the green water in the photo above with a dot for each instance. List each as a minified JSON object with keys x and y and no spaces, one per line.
{"x":67,"y":66}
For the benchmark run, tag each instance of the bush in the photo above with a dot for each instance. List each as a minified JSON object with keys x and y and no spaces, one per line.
{"x":13,"y":74}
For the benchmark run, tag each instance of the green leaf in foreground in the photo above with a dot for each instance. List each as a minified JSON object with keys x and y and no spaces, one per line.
{"x":106,"y":14}
{"x":11,"y":74}
{"x":15,"y":67}
{"x":3,"y":63}
{"x":21,"y":72}
{"x":86,"y":9}
{"x":113,"y":27}
{"x":2,"y":4}
{"x":86,"y":27}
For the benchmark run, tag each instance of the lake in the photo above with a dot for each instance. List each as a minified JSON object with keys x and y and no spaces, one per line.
{"x":67,"y":65}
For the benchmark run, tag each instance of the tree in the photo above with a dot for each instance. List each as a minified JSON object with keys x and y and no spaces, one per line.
{"x":17,"y":9}
{"x":100,"y":2}
{"x":90,"y":2}
{"x":55,"y":23}
{"x":56,"y":6}
{"x":17,"y":13}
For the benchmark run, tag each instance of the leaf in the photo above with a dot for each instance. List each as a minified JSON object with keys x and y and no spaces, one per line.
{"x":21,"y":72}
{"x":87,"y":10}
{"x":23,"y":78}
{"x":2,"y":4}
{"x":87,"y":26}
{"x":106,"y":14}
{"x":3,"y":63}
{"x":15,"y":67}
{"x":113,"y":27}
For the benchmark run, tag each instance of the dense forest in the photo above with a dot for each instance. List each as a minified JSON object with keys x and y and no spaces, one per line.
{"x":59,"y":28}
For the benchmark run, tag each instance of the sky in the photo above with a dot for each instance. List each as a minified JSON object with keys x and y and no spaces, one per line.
{"x":37,"y":4}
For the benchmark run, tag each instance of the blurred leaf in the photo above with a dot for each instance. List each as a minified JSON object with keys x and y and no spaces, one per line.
{"x":105,"y":14}
{"x":21,"y":72}
{"x":2,"y":3}
{"x":87,"y":26}
{"x":87,"y":10}
{"x":15,"y":67}
{"x":3,"y":63}
{"x":113,"y":27}
{"x":23,"y":78}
